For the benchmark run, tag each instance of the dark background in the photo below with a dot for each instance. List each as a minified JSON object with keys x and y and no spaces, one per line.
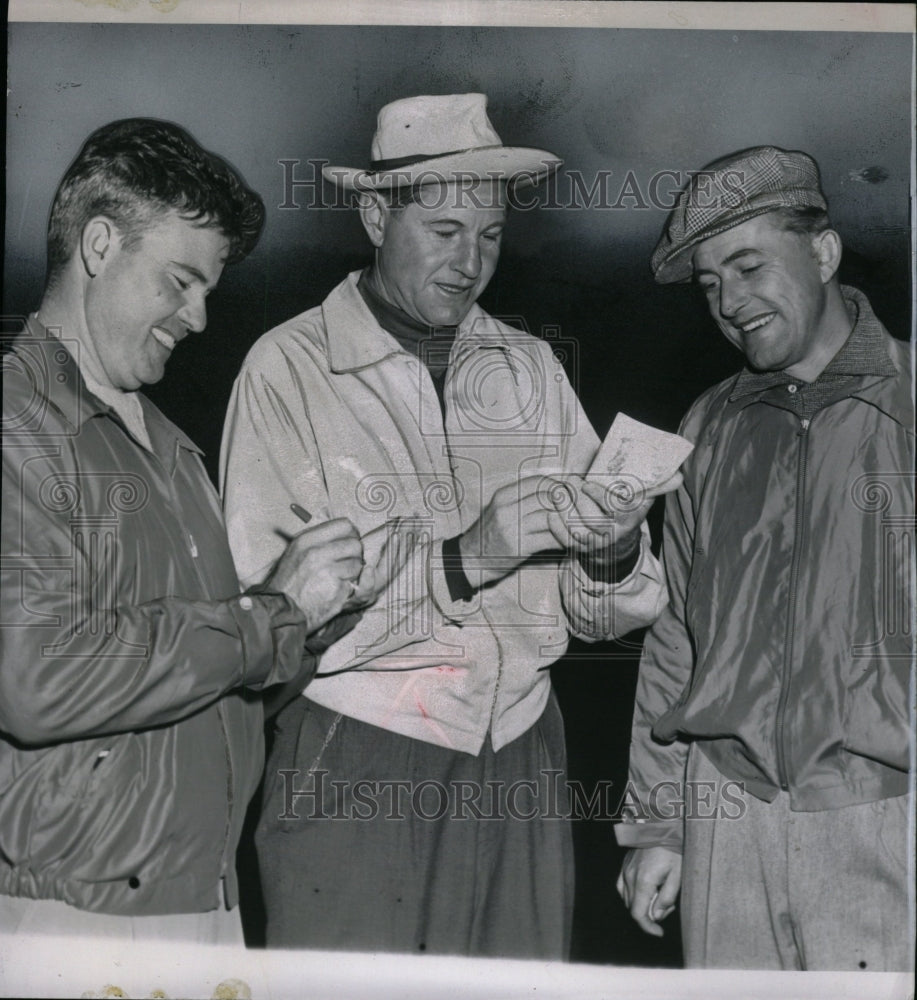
{"x":632,"y":102}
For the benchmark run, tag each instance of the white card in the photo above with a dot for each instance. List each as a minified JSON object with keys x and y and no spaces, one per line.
{"x":639,"y":454}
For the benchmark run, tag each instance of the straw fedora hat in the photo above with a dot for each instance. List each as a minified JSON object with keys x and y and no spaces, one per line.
{"x":443,"y":138}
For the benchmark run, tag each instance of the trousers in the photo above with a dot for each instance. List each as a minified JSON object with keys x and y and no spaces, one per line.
{"x":372,"y":841}
{"x":770,"y":888}
{"x":21,"y":916}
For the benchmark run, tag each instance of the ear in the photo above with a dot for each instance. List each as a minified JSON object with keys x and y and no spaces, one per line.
{"x":374,"y":215}
{"x":827,"y":249}
{"x":98,"y":239}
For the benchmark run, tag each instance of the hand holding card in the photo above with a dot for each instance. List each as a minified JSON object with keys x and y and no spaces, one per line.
{"x":635,"y":459}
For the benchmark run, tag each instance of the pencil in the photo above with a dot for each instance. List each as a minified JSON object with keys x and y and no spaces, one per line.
{"x":301,"y":513}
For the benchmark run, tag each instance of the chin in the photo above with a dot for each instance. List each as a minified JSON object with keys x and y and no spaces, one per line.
{"x":450,"y":317}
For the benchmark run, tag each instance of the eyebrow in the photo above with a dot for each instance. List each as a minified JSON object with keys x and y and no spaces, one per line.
{"x":499,"y":223}
{"x":728,"y":260}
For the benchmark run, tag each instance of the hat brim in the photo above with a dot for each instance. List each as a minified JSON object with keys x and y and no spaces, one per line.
{"x":517,"y":165}
{"x":678,"y":265}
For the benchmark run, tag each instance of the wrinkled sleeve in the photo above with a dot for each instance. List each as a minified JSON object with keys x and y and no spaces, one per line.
{"x":78,"y":658}
{"x":596,"y":611}
{"x":270,"y":459}
{"x":657,"y":770}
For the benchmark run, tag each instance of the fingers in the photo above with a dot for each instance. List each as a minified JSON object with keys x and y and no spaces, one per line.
{"x":672,"y":483}
{"x":642,"y":909}
{"x":617,"y":502}
{"x":622,"y":889}
{"x":668,"y":893}
{"x":649,"y":883}
{"x":334,"y":541}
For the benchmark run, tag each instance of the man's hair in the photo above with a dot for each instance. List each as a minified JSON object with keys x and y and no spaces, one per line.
{"x":808,"y":221}
{"x":134,"y":169}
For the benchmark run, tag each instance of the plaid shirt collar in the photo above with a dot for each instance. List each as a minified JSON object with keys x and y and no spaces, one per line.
{"x":863,"y":352}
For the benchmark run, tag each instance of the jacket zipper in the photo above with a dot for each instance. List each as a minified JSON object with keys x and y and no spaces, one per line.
{"x":493,"y":703}
{"x":799,"y":530}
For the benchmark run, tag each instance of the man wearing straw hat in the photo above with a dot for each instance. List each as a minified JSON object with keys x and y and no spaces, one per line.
{"x":784,"y":660}
{"x":415,"y":795}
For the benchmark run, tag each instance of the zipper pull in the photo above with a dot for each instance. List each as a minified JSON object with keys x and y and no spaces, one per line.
{"x":193,"y":546}
{"x":805,"y":423}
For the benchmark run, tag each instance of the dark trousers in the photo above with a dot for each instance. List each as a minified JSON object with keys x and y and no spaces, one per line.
{"x":372,"y":841}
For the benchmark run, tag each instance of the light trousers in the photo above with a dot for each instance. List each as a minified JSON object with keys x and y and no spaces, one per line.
{"x":777,"y":889}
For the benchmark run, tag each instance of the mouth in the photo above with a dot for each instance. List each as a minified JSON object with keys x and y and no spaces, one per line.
{"x":164,"y":337}
{"x":456,"y":290}
{"x":755,"y":324}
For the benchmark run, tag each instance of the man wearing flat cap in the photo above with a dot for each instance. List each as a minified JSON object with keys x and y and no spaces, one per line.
{"x":772,"y":732}
{"x":406,"y":800}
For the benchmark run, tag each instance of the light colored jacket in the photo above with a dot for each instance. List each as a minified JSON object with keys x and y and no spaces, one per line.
{"x":330,"y":413}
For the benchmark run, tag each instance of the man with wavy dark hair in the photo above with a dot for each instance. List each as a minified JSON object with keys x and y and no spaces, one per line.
{"x":130,"y":738}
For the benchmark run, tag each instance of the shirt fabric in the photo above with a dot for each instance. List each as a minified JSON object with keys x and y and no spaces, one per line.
{"x":331,"y":413}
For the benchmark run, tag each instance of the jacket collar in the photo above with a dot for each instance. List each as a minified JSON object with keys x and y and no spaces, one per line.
{"x":863,"y":353}
{"x":65,"y":389}
{"x":884,"y":367}
{"x":356,"y":340}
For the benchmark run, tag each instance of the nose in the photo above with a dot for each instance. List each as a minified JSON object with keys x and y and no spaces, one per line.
{"x":732,"y":297}
{"x":467,"y":259}
{"x":193,"y":313}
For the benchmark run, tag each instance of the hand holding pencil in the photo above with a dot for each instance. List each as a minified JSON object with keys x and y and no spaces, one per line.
{"x":320,"y":569}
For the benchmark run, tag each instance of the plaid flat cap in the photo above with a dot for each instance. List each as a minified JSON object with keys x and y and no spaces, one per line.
{"x":731,"y":191}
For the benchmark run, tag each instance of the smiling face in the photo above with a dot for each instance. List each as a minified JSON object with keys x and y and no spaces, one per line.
{"x":141,"y":301}
{"x":435,"y":256}
{"x":767,"y":290}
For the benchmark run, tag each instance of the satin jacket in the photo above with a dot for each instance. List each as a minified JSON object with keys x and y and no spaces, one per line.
{"x":787,"y":649}
{"x":128,"y":751}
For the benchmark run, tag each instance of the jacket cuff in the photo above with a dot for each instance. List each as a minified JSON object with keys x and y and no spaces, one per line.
{"x":457,"y":582}
{"x":441,"y":565}
{"x":593,"y":587}
{"x":656,"y":834}
{"x":607,"y":566}
{"x":272,"y":634}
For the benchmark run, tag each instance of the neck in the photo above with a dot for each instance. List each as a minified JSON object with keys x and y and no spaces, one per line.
{"x":835,"y":326}
{"x":62,"y":312}
{"x":372,"y":282}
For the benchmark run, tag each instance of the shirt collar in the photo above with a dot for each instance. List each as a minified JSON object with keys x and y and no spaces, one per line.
{"x":356,"y":340}
{"x":863,"y":353}
{"x":51,"y":361}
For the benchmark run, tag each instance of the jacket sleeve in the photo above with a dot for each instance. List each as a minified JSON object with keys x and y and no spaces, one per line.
{"x":596,"y":611}
{"x":657,"y":770}
{"x":270,"y":459}
{"x":79,"y":658}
